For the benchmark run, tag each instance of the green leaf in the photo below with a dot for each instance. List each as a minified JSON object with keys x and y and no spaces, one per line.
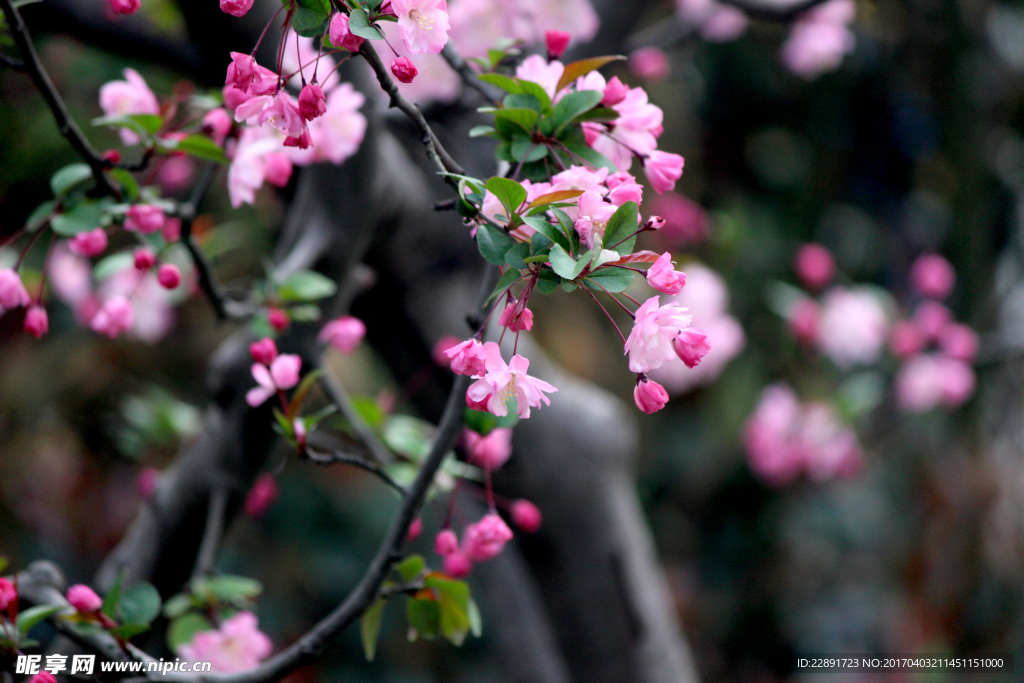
{"x":112,"y":600}
{"x":150,"y":123}
{"x":177,"y":605}
{"x":424,"y":617}
{"x":612,"y":279}
{"x":520,"y":116}
{"x":112,"y":264}
{"x":202,"y":147}
{"x":408,"y":436}
{"x":299,"y":397}
{"x":504,"y":82}
{"x":38,"y":217}
{"x":411,"y":567}
{"x":568,"y":229}
{"x":181,"y":630}
{"x":140,"y":604}
{"x":127,"y":182}
{"x":574,"y":70}
{"x":359,"y":24}
{"x":130,"y":630}
{"x":481,"y":422}
{"x":547,"y":281}
{"x":599,"y":114}
{"x":321,"y":6}
{"x":531,"y":88}
{"x":514,"y":256}
{"x":453,"y":604}
{"x":542,"y":226}
{"x":310,"y":23}
{"x":69,"y":178}
{"x":229,"y":588}
{"x":33,"y":615}
{"x":369,"y":628}
{"x":480,"y":131}
{"x":568,"y":285}
{"x":492,"y":243}
{"x":563,"y":264}
{"x":526,"y":150}
{"x":522,"y":101}
{"x":571,"y":106}
{"x":510,"y":193}
{"x":476,"y":623}
{"x":622,"y":223}
{"x":305,"y":285}
{"x":507,"y":278}
{"x":84,"y":216}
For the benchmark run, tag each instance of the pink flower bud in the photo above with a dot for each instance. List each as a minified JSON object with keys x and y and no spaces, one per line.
{"x":12,"y":292}
{"x":907,"y":338}
{"x":36,"y":322}
{"x":457,"y":565}
{"x":144,"y":258}
{"x":486,"y":538}
{"x":171,"y":232}
{"x":958,"y":341}
{"x":415,"y":529}
{"x":43,"y":677}
{"x":522,"y":320}
{"x":341,"y":35}
{"x":491,"y":451}
{"x":8,"y":593}
{"x":263,"y":351}
{"x":477,"y":405}
{"x":302,"y":142}
{"x":89,"y":244}
{"x":114,"y":318}
{"x":663,"y":169}
{"x":443,"y":344}
{"x":526,"y":516}
{"x":691,"y":346}
{"x":404,"y":70}
{"x":803,"y":320}
{"x":557,"y":42}
{"x":932,"y":276}
{"x":932,"y":317}
{"x":649,"y":396}
{"x":649,"y":63}
{"x":814,"y":265}
{"x":144,"y":218}
{"x":261,"y":496}
{"x":111,"y":156}
{"x":446,"y":543}
{"x":146,"y":482}
{"x":614,"y":93}
{"x":663,"y":276}
{"x":468,"y":358}
{"x":278,"y":319}
{"x":344,"y":334}
{"x":125,"y":6}
{"x":236,"y":8}
{"x":655,"y":223}
{"x":168,"y":275}
{"x":84,"y":599}
{"x":278,"y":170}
{"x":242,"y":73}
{"x":311,"y":102}
{"x":217,"y":124}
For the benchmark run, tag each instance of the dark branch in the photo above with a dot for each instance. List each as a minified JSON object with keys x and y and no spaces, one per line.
{"x":338,"y":394}
{"x":768,"y":12}
{"x":12,"y":62}
{"x":67,"y":126}
{"x":468,"y":76}
{"x":339,"y":458}
{"x":187,"y":213}
{"x":207,"y":557}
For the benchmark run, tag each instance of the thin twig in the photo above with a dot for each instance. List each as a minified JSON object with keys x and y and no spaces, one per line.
{"x":187,"y":212}
{"x":207,"y":557}
{"x":340,"y":396}
{"x":340,"y":458}
{"x":67,"y":126}
{"x":12,"y":62}
{"x":468,"y":76}
{"x":771,"y":12}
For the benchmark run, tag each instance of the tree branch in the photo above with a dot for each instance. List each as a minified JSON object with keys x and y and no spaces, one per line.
{"x":67,"y":126}
{"x":187,"y":213}
{"x":337,"y":457}
{"x":769,"y":12}
{"x":211,"y":533}
{"x":468,"y":76}
{"x":338,"y":394}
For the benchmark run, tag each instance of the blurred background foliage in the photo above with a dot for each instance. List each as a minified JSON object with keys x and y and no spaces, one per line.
{"x":914,"y":144}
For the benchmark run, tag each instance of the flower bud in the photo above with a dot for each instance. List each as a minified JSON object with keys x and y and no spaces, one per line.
{"x":111,"y":156}
{"x":663,"y":169}
{"x":415,"y":529}
{"x":263,"y":351}
{"x":457,"y":565}
{"x":261,"y":496}
{"x":144,"y":258}
{"x":614,"y":93}
{"x":171,"y":232}
{"x":649,"y":63}
{"x":36,"y":322}
{"x":526,"y":516}
{"x":89,"y":244}
{"x":814,"y":265}
{"x":404,"y":70}
{"x":557,"y":42}
{"x":341,"y":35}
{"x":217,"y":124}
{"x":516,"y":319}
{"x":144,"y":218}
{"x":311,"y":101}
{"x":649,"y":396}
{"x":932,"y":276}
{"x":12,"y":292}
{"x":691,"y":346}
{"x":236,"y":8}
{"x":906,"y":339}
{"x":84,"y":599}
{"x":278,"y":319}
{"x":8,"y":593}
{"x":654,"y":223}
{"x":302,"y":142}
{"x":278,"y":168}
{"x":168,"y":276}
{"x":446,"y":543}
{"x":125,"y":6}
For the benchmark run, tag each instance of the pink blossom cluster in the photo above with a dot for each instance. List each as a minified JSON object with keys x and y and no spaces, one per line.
{"x":498,"y":381}
{"x":237,"y":645}
{"x":274,"y":373}
{"x":785,"y":438}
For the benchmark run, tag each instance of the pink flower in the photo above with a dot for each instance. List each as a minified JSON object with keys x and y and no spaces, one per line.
{"x":614,"y":93}
{"x":278,"y":169}
{"x":146,"y":482}
{"x":36,"y":321}
{"x":44,"y":676}
{"x":341,"y":35}
{"x":238,"y":645}
{"x":853,"y":326}
{"x":557,"y":43}
{"x":144,"y":218}
{"x":802,"y":318}
{"x":686,"y":222}
{"x":649,"y":344}
{"x":439,"y":352}
{"x":261,"y":496}
{"x":171,"y":232}
{"x":814,"y":265}
{"x":130,"y":96}
{"x":423,"y":25}
{"x":649,"y":63}
{"x":663,"y":276}
{"x":491,"y":451}
{"x":263,"y":351}
{"x":404,"y":70}
{"x":246,"y":76}
{"x":526,"y":516}
{"x":537,"y":70}
{"x":248,"y":167}
{"x":926,"y":381}
{"x":8,"y":593}
{"x":593,"y":213}
{"x":960,"y":342}
{"x":12,"y":292}
{"x":125,"y":6}
{"x":311,"y":102}
{"x":819,"y":39}
{"x":907,"y":338}
{"x":337,"y":134}
{"x":114,"y":318}
{"x":446,"y":543}
{"x":628,"y":191}
{"x":169,"y":276}
{"x":468,"y":358}
{"x":663,"y":169}
{"x":516,"y":319}
{"x":691,"y":346}
{"x":84,"y":599}
{"x":457,"y":564}
{"x":217,"y":124}
{"x":281,"y":113}
{"x":933,"y":318}
{"x":283,"y":374}
{"x":236,"y":8}
{"x":344,"y":334}
{"x":486,"y":538}
{"x":649,"y":396}
{"x":503,"y":382}
{"x":932,"y":276}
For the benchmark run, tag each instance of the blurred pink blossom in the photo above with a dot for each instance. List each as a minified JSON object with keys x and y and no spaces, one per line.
{"x":926,"y":381}
{"x":853,"y":326}
{"x":932,"y":276}
{"x":238,"y":645}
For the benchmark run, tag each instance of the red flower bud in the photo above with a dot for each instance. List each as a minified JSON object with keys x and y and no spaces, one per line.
{"x":404,"y":70}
